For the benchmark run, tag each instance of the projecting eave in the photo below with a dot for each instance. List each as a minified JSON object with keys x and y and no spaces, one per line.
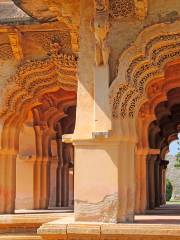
{"x":11,"y":14}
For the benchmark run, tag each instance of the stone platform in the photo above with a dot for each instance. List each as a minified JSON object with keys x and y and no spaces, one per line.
{"x":94,"y":231}
{"x":160,"y":224}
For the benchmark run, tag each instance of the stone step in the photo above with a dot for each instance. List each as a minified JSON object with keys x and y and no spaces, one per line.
{"x":19,"y":237}
{"x":26,"y":223}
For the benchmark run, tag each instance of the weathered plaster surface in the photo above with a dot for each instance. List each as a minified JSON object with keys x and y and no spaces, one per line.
{"x":103,"y":211}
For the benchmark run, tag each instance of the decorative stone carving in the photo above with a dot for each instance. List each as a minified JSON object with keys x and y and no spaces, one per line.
{"x":6,"y":51}
{"x":14,"y":39}
{"x":144,"y":110}
{"x":101,"y":29}
{"x":121,"y":8}
{"x":50,"y":40}
{"x":149,"y":65}
{"x":141,"y":8}
{"x":35,"y":77}
{"x":117,"y":99}
{"x":154,"y":88}
{"x":101,"y":6}
{"x":126,"y":8}
{"x":132,"y":106}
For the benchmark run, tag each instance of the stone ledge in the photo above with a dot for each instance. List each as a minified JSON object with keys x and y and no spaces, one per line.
{"x":19,"y":237}
{"x":71,"y":230}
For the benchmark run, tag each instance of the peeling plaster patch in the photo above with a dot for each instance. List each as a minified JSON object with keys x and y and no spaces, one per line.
{"x":103,"y":211}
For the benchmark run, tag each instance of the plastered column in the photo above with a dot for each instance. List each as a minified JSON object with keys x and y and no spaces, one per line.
{"x":96,"y":180}
{"x":2,"y":182}
{"x":164,"y":186}
{"x":161,"y":183}
{"x":141,"y":181}
{"x":141,"y":160}
{"x":104,"y":191}
{"x":60,"y":166}
{"x":130,"y":181}
{"x":164,"y":164}
{"x":10,"y":170}
{"x":122,"y":182}
{"x":85,"y":94}
{"x":103,"y":188}
{"x":53,"y":182}
{"x":7,"y":181}
{"x":138,"y":183}
{"x":102,"y":118}
{"x":151,"y":180}
{"x":157,"y":183}
{"x":37,"y":167}
{"x":143,"y":195}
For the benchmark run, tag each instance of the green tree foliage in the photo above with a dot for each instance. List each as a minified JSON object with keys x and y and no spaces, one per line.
{"x":177,"y":163}
{"x":169,"y":190}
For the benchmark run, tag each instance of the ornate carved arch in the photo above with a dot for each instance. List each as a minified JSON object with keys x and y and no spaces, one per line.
{"x":34,"y":78}
{"x":140,"y":64}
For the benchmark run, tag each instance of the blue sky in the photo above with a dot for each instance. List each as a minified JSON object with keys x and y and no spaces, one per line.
{"x":173,"y":147}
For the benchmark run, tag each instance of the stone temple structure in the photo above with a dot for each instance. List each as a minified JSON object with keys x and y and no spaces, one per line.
{"x":89,"y":103}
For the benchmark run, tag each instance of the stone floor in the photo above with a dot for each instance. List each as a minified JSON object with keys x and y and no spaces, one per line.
{"x":168,"y":214}
{"x":161,"y":223}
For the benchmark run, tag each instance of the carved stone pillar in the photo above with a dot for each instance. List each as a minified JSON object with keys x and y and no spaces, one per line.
{"x":2,"y":182}
{"x":151,"y":180}
{"x":141,"y":182}
{"x":71,"y":186}
{"x":138,"y":183}
{"x":67,"y":156}
{"x":163,"y":186}
{"x":157,"y":183}
{"x":53,"y":182}
{"x":7,"y":181}
{"x":131,"y":187}
{"x":45,"y":171}
{"x":163,"y":165}
{"x":143,"y":204}
{"x":59,"y":170}
{"x":10,"y":182}
{"x":37,"y":167}
{"x":161,"y":183}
